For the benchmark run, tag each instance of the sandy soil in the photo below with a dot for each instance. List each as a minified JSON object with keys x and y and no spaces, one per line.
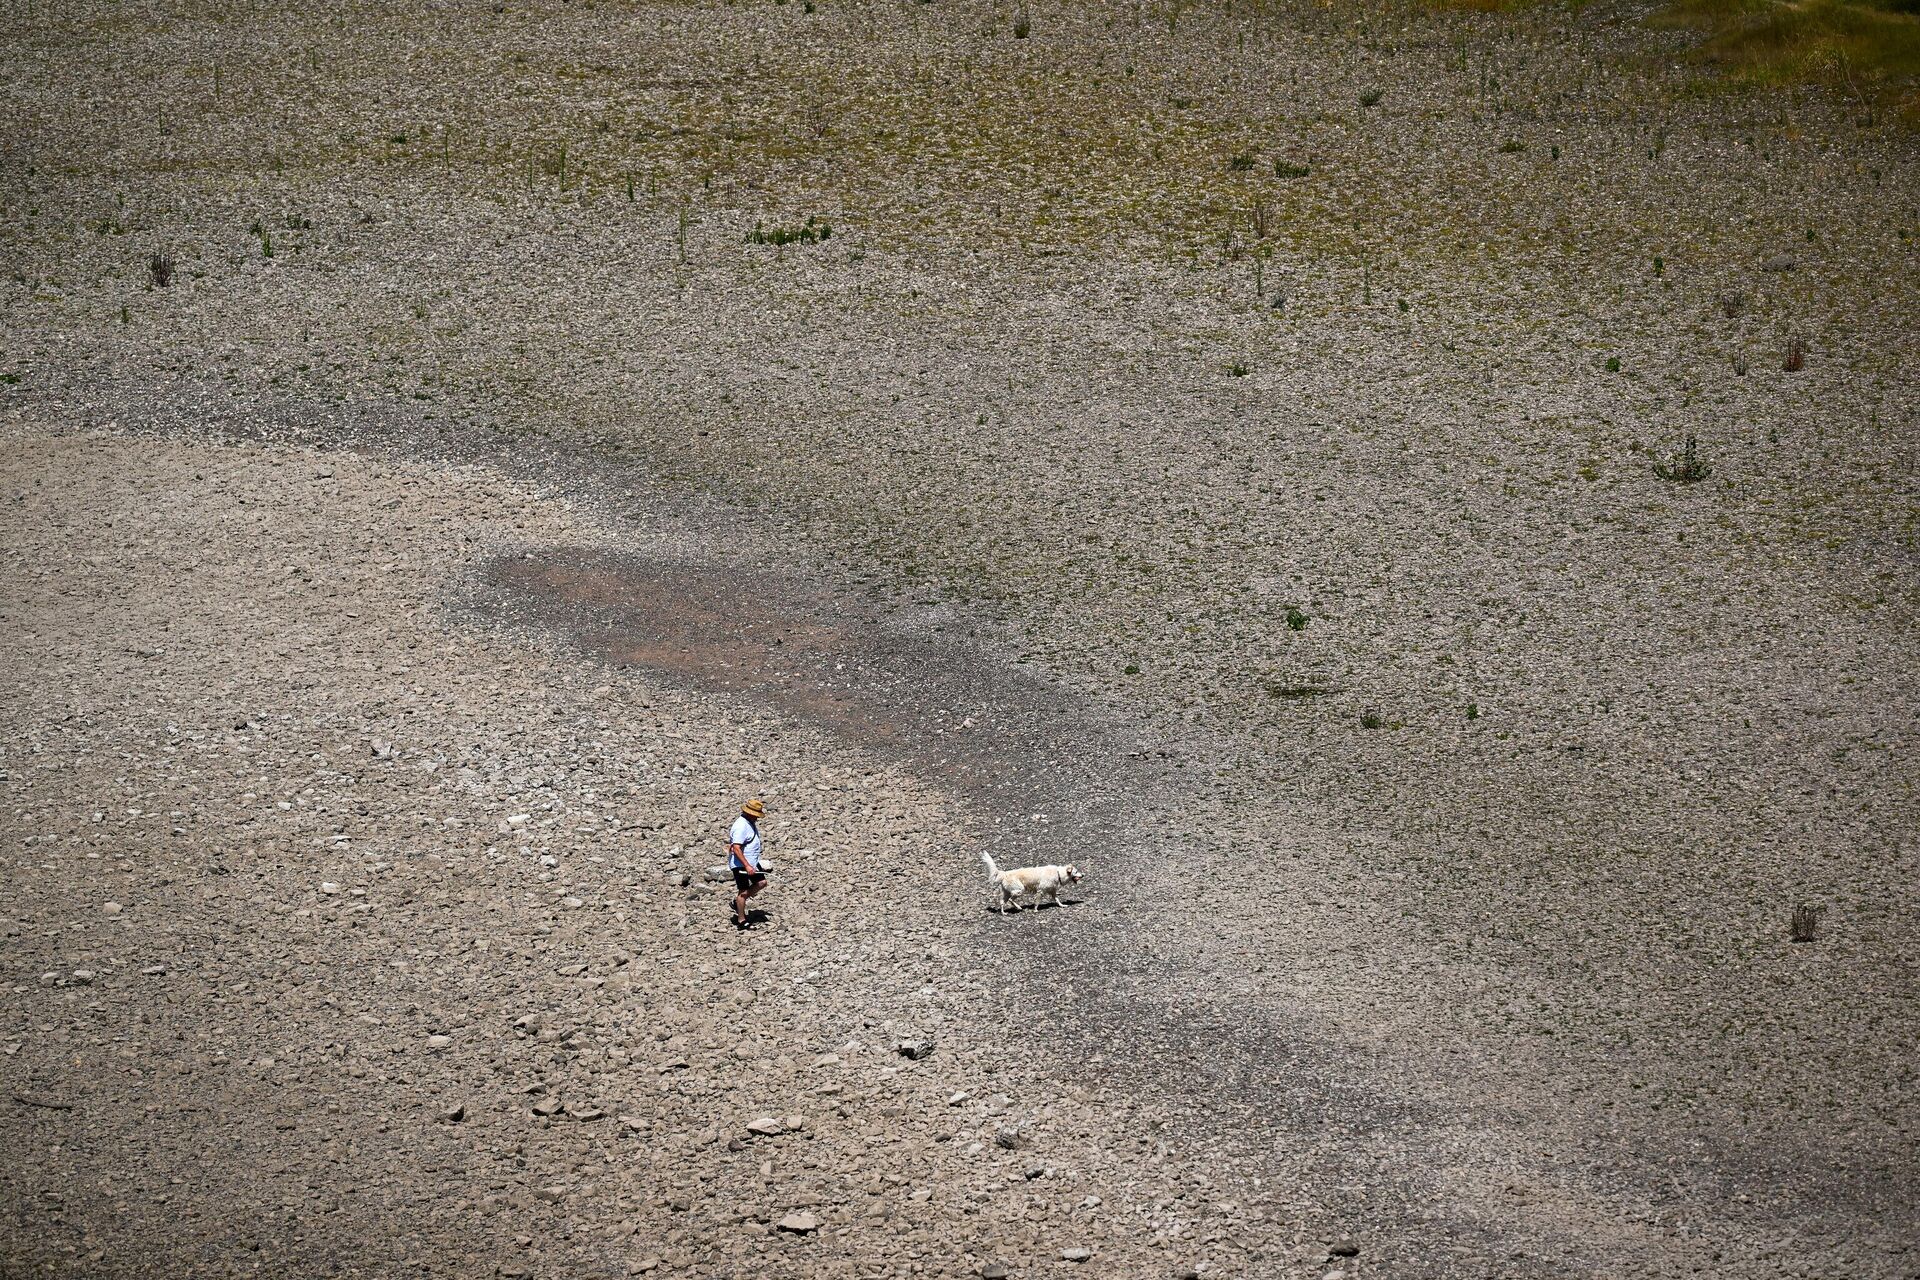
{"x":1221,"y":446}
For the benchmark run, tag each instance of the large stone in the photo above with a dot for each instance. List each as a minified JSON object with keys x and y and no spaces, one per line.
{"x":799,"y":1223}
{"x":1076,"y":1254}
{"x":766,"y":1127}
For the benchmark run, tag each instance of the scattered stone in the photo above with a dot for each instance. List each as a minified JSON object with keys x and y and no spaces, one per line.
{"x":799,"y":1223}
{"x":915,"y":1050}
{"x":1343,"y":1247}
{"x":766,"y":1127}
{"x":1076,"y":1254}
{"x":994,"y":1271}
{"x":112,"y":908}
{"x":437,"y":1042}
{"x":547,"y":1106}
{"x":1780,"y":262}
{"x":1007,"y":1139}
{"x":453,"y":1115}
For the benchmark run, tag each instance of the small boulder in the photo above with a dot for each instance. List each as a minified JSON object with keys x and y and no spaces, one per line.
{"x":914,"y":1050}
{"x":799,"y":1223}
{"x":766,"y":1127}
{"x":1343,"y":1247}
{"x":1076,"y":1254}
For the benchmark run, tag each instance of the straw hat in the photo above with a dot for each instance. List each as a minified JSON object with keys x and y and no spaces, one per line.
{"x":754,"y":809}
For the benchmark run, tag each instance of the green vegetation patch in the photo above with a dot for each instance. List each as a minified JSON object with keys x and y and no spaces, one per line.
{"x":1871,"y":50}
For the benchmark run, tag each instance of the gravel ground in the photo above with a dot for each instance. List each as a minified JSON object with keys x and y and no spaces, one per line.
{"x":1224,"y":443}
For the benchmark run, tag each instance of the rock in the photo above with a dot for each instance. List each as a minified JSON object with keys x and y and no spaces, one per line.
{"x":994,"y":1271}
{"x":799,"y":1223}
{"x":328,"y":886}
{"x":546,"y":1107}
{"x":719,"y":875}
{"x":1334,"y":1275}
{"x":112,"y":908}
{"x":766,"y":1127}
{"x":83,"y":976}
{"x":1007,"y":1139}
{"x":582,"y":1111}
{"x":1076,"y":1254}
{"x":453,"y":1115}
{"x":1343,"y":1247}
{"x":1186,"y":1273}
{"x":1780,"y":262}
{"x":645,"y":1265}
{"x":437,"y":1043}
{"x":915,"y":1049}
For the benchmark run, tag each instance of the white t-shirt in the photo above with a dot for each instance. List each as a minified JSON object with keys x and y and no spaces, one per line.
{"x":744,"y":835}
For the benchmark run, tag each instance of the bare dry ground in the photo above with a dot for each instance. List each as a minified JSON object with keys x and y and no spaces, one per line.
{"x":452,"y":452}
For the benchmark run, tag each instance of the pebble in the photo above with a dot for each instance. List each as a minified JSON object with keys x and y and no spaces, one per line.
{"x":914,"y":1050}
{"x":439,"y":1042}
{"x":766,"y":1127}
{"x":1076,"y":1254}
{"x":112,"y":908}
{"x":1343,"y":1247}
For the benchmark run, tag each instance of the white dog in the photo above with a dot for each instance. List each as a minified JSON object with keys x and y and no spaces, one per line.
{"x":1045,"y":883}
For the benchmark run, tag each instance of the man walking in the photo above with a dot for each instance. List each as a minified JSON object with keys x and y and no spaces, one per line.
{"x":743,"y":856}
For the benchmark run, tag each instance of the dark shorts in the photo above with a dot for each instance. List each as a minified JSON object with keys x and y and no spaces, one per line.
{"x":745,"y":880}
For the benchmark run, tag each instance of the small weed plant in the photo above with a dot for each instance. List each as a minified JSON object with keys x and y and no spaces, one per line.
{"x":1684,"y":467}
{"x":809,"y":232}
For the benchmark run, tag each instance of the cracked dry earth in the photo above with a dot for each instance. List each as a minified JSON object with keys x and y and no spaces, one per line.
{"x":1223,"y":445}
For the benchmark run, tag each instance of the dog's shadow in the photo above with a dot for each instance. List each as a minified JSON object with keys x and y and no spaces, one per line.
{"x":994,"y":908}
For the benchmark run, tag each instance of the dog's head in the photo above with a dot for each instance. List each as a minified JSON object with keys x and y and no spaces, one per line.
{"x":1073,"y":874}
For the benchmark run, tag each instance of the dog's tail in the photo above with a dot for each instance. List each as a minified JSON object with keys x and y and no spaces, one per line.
{"x":993,"y":872}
